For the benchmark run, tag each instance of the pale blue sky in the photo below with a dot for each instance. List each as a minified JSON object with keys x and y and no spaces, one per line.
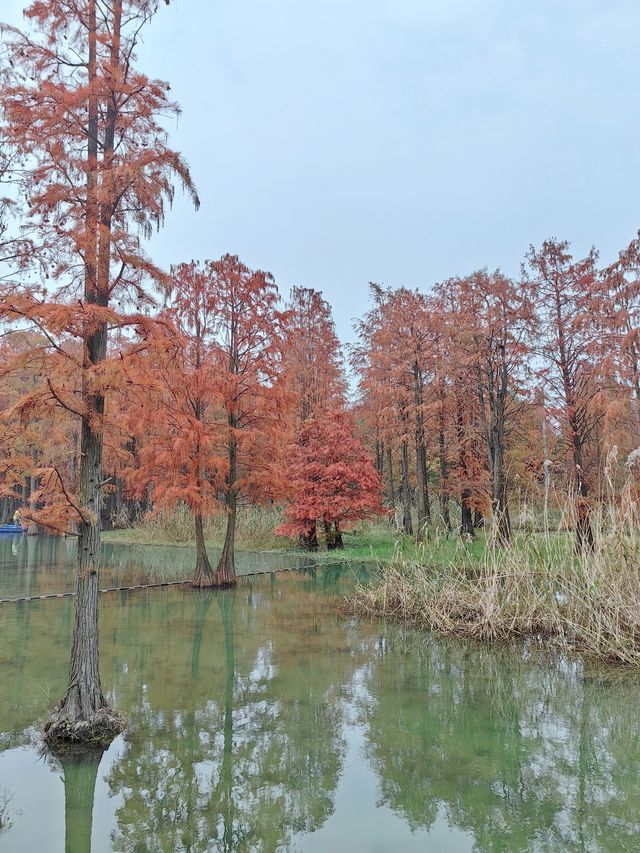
{"x":335,"y":142}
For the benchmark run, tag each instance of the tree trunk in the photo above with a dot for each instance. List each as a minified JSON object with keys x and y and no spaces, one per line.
{"x":584,"y":531}
{"x":225,"y":574}
{"x":444,"y":488}
{"x":26,"y":493}
{"x":391,"y":492}
{"x":467,"y":527}
{"x":309,"y":540}
{"x":83,"y":714}
{"x":203,"y":576}
{"x":500,"y":507}
{"x":329,"y":535}
{"x":333,"y":536}
{"x":407,"y":526}
{"x":379,"y":456}
{"x":424,"y":506}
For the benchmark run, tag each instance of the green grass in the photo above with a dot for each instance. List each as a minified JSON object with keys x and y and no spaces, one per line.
{"x":369,"y":542}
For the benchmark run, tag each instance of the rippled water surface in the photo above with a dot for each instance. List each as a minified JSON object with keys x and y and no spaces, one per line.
{"x":263,"y":719}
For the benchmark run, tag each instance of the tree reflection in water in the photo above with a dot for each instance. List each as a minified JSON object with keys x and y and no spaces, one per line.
{"x":5,"y":814}
{"x":79,"y":773}
{"x":521,"y":754}
{"x":254,"y":753}
{"x":239,"y":704}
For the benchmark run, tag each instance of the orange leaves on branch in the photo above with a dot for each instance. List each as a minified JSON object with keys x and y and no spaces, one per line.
{"x":211,"y":382}
{"x":313,"y":363}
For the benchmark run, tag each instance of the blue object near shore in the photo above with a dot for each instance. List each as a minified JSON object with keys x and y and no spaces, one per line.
{"x":12,"y":528}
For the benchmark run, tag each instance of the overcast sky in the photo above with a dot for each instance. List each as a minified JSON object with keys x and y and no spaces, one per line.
{"x":335,"y":142}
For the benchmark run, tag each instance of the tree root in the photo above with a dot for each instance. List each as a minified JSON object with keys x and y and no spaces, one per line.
{"x":218,"y":580}
{"x":100,"y":729}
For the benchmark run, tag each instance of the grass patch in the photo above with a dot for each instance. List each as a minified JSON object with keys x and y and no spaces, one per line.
{"x":368,"y":542}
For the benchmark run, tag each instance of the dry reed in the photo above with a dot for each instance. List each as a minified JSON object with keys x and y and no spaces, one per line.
{"x":535,"y":587}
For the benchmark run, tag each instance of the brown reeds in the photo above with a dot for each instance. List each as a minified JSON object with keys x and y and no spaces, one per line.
{"x":536,"y":587}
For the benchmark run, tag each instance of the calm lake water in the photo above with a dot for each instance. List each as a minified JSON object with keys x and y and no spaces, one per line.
{"x":262,"y":719}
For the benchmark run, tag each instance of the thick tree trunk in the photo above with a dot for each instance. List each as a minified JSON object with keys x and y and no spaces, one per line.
{"x":82,"y":715}
{"x":329,"y":535}
{"x":309,"y":540}
{"x":407,"y":525}
{"x":467,"y":527}
{"x":203,"y":576}
{"x":333,"y":536}
{"x":225,"y":574}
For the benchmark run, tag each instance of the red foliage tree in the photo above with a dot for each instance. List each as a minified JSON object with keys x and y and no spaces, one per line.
{"x":490,"y":318}
{"x":395,"y":360}
{"x":331,"y":478}
{"x":620,"y":326}
{"x":211,"y":417}
{"x":313,"y":371}
{"x":96,"y":172}
{"x":564,"y":294}
{"x":312,"y":358}
{"x":250,"y":340}
{"x":175,"y":414}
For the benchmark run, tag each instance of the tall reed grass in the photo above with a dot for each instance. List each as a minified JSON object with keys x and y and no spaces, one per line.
{"x":537,"y":586}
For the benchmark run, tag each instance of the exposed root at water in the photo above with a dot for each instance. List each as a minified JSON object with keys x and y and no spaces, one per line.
{"x":217,"y":580}
{"x":98,"y":730}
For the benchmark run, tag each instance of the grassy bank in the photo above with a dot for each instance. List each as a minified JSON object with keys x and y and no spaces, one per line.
{"x":255,"y":530}
{"x":368,"y":542}
{"x":536,"y":588}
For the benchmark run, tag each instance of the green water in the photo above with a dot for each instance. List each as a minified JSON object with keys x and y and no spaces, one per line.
{"x":262,"y":719}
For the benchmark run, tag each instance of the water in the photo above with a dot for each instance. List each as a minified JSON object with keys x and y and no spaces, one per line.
{"x":263,"y":719}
